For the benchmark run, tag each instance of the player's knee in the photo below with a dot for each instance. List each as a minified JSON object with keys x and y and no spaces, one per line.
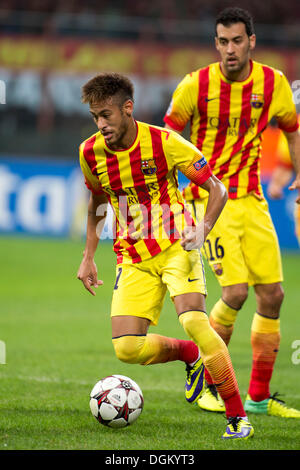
{"x":222,"y":314}
{"x":192,"y":320}
{"x":271,"y":298}
{"x":235,"y":296}
{"x":128,"y":348}
{"x":279,"y":296}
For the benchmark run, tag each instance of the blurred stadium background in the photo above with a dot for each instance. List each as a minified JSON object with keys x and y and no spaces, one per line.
{"x":48,"y":49}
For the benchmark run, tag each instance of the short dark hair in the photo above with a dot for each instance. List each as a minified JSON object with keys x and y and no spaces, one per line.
{"x":232,"y":15}
{"x":107,"y":85}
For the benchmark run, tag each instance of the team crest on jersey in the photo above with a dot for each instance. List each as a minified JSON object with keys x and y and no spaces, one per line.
{"x":257,"y":100}
{"x":218,"y":269}
{"x":199,"y":164}
{"x":148,"y":167}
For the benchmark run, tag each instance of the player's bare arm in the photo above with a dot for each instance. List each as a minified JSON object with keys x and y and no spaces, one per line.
{"x":194,"y":237}
{"x":87,"y":272}
{"x":293,"y":139}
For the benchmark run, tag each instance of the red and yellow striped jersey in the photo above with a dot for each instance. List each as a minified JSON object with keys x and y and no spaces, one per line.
{"x":141,"y":186}
{"x":227,"y":119}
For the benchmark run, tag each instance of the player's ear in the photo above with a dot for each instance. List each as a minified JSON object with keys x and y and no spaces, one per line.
{"x":216,"y":43}
{"x":252,"y":41}
{"x":128,"y":107}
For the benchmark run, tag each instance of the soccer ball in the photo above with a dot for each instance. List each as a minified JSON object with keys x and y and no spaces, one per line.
{"x":116,"y":401}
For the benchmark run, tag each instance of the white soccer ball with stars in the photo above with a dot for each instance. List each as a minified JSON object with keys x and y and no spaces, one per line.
{"x":116,"y":401}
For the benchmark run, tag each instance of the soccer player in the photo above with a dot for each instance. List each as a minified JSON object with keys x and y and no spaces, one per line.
{"x":133,"y":166}
{"x":229,"y":104}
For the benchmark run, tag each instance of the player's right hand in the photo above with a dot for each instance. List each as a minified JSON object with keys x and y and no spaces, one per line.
{"x":193,"y":237}
{"x":87,"y":274}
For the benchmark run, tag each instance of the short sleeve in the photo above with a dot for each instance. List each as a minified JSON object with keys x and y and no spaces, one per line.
{"x":91,"y":180}
{"x":188,"y":159}
{"x":181,"y":108}
{"x":285,"y":113}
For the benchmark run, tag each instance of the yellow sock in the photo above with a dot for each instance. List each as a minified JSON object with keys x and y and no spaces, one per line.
{"x":265,"y":340}
{"x":215,"y":357}
{"x":222,"y":319}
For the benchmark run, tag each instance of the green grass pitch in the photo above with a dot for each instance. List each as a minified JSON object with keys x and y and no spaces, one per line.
{"x":58,"y":345}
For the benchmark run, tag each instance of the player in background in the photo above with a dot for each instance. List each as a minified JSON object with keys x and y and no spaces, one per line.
{"x":229,"y":104}
{"x":133,"y":166}
{"x":282,"y":175}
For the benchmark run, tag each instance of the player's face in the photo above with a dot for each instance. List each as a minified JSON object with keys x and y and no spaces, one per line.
{"x":113,"y":121}
{"x":234,"y":46}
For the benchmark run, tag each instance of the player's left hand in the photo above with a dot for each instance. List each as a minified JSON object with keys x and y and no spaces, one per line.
{"x":296,"y":185}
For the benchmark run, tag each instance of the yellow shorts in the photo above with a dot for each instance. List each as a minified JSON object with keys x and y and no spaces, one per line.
{"x":242,"y":246}
{"x":140,"y":288}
